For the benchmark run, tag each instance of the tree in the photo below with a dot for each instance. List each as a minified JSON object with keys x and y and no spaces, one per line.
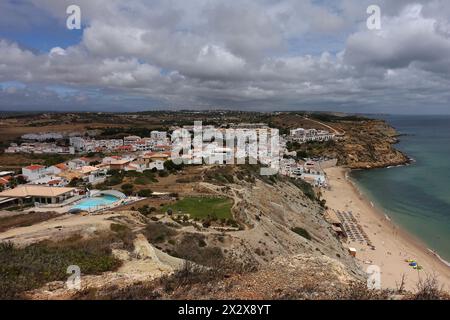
{"x":74,"y":182}
{"x":145,"y":193}
{"x":127,"y":188}
{"x":21,"y":179}
{"x":172,"y":167}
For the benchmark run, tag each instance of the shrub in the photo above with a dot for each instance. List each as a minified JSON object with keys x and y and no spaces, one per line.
{"x":172,"y":167}
{"x":158,"y":232}
{"x":24,"y":220}
{"x":146,"y":210}
{"x":306,"y":188}
{"x":193,"y":247}
{"x":113,"y":180}
{"x":145,"y":193}
{"x":75,"y":182}
{"x":428,"y":289}
{"x":163,"y":173}
{"x":142,"y":180}
{"x":302,"y":232}
{"x":127,"y":188}
{"x":23,"y":269}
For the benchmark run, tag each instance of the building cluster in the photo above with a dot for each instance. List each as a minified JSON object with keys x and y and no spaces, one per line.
{"x":39,"y":148}
{"x":83,"y":145}
{"x":92,"y":171}
{"x":158,"y":141}
{"x":302,"y":135}
{"x":311,"y":170}
{"x":51,"y":185}
{"x":53,"y":136}
{"x":231,"y":143}
{"x":43,"y":136}
{"x":134,"y":153}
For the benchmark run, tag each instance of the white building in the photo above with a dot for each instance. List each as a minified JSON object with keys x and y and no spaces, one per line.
{"x":317,"y":180}
{"x":140,"y":145}
{"x":93,"y":175}
{"x":157,"y":164}
{"x":213,"y":154}
{"x":50,"y":181}
{"x":43,"y":136}
{"x":306,"y":135}
{"x":158,"y":135}
{"x":34,"y":172}
{"x":39,"y":148}
{"x":130,"y":140}
{"x":90,"y":145}
{"x":75,"y":164}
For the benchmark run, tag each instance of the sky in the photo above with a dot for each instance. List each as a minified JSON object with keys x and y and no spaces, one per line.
{"x":224,"y":54}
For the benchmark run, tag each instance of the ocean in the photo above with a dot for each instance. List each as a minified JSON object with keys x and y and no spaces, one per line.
{"x":416,"y":197}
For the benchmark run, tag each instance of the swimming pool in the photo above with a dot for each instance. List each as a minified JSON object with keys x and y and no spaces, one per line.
{"x":95,"y":202}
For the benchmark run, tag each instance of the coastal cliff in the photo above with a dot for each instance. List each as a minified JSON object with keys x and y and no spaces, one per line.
{"x":363,"y":144}
{"x":369,"y":144}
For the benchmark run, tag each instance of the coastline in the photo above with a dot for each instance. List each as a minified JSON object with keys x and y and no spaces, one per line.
{"x":393,"y":245}
{"x":407,"y":234}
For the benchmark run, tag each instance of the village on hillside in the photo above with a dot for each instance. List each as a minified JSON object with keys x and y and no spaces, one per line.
{"x":81,"y":183}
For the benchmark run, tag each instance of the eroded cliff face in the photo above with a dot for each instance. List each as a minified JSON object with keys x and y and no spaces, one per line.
{"x":275,"y":216}
{"x":293,"y":249}
{"x":368,"y":144}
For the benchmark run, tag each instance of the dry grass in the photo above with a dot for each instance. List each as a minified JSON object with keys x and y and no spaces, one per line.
{"x":429,"y":289}
{"x":24,"y":220}
{"x":23,"y":269}
{"x":190,"y":282}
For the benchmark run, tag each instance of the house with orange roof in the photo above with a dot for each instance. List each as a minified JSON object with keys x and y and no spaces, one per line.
{"x":163,"y":156}
{"x":120,"y":164}
{"x":34,"y":172}
{"x":57,"y":168}
{"x":36,"y":194}
{"x":135,"y":166}
{"x":155,"y":160}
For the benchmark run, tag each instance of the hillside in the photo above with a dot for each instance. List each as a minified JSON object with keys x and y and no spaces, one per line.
{"x":283,"y":249}
{"x":276,"y":221}
{"x":369,"y":144}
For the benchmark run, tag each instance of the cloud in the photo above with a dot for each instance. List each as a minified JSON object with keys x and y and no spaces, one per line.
{"x":407,"y":39}
{"x":204,"y":54}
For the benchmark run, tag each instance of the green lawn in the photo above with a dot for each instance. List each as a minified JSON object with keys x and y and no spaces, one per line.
{"x":199,"y":207}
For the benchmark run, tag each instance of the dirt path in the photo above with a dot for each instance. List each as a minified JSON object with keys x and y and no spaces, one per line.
{"x":58,"y":227}
{"x":336,"y":131}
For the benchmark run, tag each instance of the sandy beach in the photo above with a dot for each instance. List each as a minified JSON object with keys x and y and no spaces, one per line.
{"x":392,"y":245}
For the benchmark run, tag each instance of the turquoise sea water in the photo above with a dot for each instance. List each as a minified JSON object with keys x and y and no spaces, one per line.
{"x":417,"y":197}
{"x":95,"y":202}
